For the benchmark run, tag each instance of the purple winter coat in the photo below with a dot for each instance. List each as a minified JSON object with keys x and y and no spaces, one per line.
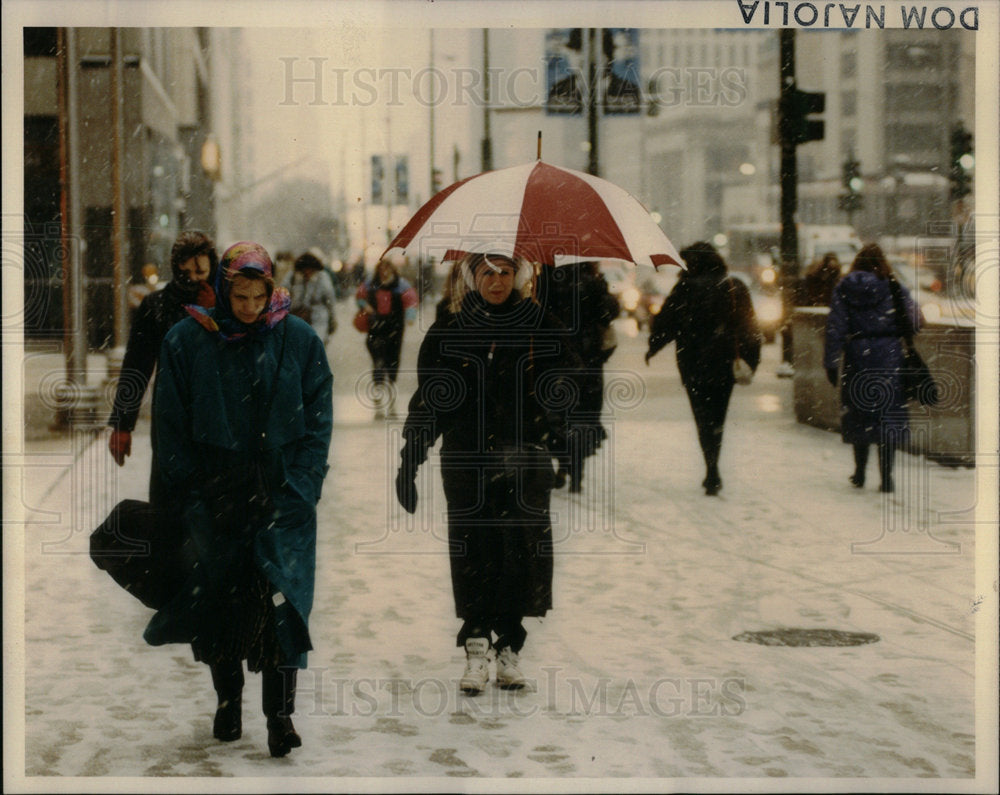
{"x":862,"y":325}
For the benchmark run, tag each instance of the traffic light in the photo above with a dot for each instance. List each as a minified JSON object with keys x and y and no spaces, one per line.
{"x":794,"y":108}
{"x":853,"y":183}
{"x":962,"y":162}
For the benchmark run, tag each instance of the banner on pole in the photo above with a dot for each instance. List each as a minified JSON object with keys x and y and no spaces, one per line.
{"x":564,"y":77}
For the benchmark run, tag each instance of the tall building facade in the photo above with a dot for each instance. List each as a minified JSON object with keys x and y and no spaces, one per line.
{"x":71,"y":163}
{"x":893,"y":98}
{"x":702,"y":152}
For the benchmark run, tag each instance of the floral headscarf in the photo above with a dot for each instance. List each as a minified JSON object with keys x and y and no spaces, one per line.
{"x":238,"y":258}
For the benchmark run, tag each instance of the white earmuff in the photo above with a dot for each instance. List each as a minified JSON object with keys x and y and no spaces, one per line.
{"x":522,"y":276}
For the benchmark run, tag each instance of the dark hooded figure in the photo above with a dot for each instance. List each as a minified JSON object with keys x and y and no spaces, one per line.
{"x":193,"y":263}
{"x":489,"y":377}
{"x":244,"y":413}
{"x":864,"y":328}
{"x":578,"y":295}
{"x":711,"y":318}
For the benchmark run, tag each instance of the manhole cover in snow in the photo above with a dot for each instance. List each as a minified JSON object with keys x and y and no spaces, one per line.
{"x":807,"y":637}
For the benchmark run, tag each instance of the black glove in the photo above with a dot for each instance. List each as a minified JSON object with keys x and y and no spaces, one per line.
{"x":406,"y":489}
{"x":831,"y":375}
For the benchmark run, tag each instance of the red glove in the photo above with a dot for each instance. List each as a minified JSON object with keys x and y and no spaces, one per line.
{"x":120,"y":445}
{"x":206,"y":295}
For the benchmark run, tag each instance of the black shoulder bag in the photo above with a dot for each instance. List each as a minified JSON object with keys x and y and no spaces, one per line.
{"x":742,"y":371}
{"x":918,"y":383}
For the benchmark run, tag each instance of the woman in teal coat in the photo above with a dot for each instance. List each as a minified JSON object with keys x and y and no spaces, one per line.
{"x":243,"y":407}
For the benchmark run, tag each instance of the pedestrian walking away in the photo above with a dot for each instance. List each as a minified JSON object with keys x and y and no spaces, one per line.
{"x":390,"y":303}
{"x":313,"y":296}
{"x":711,"y":318}
{"x":500,"y":355}
{"x":243,"y":408}
{"x":863,"y":330}
{"x":193,"y":264}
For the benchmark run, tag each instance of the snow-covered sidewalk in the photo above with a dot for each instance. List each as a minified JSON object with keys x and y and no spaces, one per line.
{"x":636,"y":671}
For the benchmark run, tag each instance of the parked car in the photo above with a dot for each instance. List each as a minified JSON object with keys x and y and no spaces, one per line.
{"x":939,"y":302}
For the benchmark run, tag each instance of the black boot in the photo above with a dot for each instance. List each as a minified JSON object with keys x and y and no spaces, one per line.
{"x":886,"y":454}
{"x":278,"y":689}
{"x":860,"y":463}
{"x":712,"y":482}
{"x":227,"y":678}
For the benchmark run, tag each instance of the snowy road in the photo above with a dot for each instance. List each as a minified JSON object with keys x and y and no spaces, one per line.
{"x":636,"y":671}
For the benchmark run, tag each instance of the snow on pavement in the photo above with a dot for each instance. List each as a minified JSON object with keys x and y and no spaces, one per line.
{"x":636,"y":674}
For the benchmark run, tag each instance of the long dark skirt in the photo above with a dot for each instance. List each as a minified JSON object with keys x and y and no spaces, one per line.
{"x":500,"y":535}
{"x":225,"y":609}
{"x":239,"y":623}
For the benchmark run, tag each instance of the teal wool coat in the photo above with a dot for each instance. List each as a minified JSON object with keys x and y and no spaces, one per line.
{"x":207,"y":397}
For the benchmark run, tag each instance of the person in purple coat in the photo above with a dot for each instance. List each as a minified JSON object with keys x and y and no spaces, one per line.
{"x":862,"y":327}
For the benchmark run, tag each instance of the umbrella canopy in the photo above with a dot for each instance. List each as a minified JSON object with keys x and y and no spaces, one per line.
{"x":538,"y":212}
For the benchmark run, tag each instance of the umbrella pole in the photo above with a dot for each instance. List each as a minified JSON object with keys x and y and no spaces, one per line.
{"x":539,"y":144}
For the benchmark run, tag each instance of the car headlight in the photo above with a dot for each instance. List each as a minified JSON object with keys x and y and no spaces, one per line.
{"x":630,"y":298}
{"x":769,"y":311}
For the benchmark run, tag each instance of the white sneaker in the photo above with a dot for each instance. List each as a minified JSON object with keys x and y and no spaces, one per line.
{"x":477,"y":666}
{"x":509,"y":676}
{"x":785,"y":370}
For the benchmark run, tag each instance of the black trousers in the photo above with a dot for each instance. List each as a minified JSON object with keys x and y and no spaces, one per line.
{"x":709,"y":404}
{"x":385,"y":349}
{"x":886,"y":456}
{"x":507,"y":628}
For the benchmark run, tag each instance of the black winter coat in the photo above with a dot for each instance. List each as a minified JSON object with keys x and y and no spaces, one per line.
{"x":711,"y":318}
{"x":489,"y":383}
{"x":157,"y":313}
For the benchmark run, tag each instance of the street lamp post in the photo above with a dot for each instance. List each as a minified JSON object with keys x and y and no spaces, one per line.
{"x":593,"y":159}
{"x":118,"y":219}
{"x":487,"y":145}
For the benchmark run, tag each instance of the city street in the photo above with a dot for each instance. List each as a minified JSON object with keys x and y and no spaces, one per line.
{"x":636,"y":672}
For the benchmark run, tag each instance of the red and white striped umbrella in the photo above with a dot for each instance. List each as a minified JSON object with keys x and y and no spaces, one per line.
{"x":540,"y":212}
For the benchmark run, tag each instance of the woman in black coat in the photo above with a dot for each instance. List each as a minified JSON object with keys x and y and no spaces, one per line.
{"x":484,"y":374}
{"x":578,"y":295}
{"x":712,"y":320}
{"x":193,"y":263}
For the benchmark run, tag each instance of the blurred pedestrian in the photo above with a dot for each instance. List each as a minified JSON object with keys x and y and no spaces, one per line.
{"x":390,"y":303}
{"x":243,"y":421}
{"x":816,"y":288}
{"x":483,"y":373}
{"x":313,"y":296}
{"x":863,"y":328}
{"x":149,"y":282}
{"x":710,"y":316}
{"x":578,"y":295}
{"x":193,"y":263}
